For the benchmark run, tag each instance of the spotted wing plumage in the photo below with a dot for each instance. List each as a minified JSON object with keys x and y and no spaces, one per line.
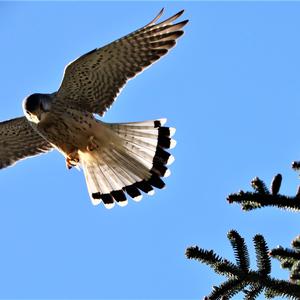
{"x":19,"y":140}
{"x":93,"y":81}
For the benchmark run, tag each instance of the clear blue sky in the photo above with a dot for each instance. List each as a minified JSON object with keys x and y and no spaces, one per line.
{"x":231,"y":88}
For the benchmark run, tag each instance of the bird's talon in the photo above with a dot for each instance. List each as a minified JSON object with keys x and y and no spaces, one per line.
{"x":72,"y":160}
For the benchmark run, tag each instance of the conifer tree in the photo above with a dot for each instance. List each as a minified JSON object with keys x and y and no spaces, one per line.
{"x":242,"y":279}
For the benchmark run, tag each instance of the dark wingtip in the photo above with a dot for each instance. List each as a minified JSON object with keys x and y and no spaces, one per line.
{"x":184,"y":22}
{"x":180,"y":13}
{"x":156,"y":18}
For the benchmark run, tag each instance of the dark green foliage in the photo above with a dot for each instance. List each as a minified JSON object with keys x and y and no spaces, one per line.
{"x":289,"y":259}
{"x":207,"y":256}
{"x":296,"y":243}
{"x":259,"y":186}
{"x":286,"y":256}
{"x":282,"y":288}
{"x":240,"y":250}
{"x":229,"y":288}
{"x":240,"y":277}
{"x":262,"y":257}
{"x":295,"y":272}
{"x":262,"y":197}
{"x":253,"y":292}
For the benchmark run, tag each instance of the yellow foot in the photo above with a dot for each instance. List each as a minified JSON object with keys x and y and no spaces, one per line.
{"x":91,"y":145}
{"x":72,"y":159}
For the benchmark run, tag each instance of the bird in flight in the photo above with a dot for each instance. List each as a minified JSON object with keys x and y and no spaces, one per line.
{"x":118,"y":159}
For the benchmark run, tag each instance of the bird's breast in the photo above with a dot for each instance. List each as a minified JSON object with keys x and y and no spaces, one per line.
{"x":68,"y":130}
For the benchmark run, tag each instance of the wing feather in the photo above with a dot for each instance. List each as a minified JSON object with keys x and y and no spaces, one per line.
{"x":93,"y":81}
{"x":19,"y":140}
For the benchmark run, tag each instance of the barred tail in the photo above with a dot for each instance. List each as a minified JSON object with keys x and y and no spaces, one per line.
{"x":133,"y":163}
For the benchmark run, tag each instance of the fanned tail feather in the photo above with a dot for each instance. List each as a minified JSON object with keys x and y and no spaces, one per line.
{"x":132,"y":164}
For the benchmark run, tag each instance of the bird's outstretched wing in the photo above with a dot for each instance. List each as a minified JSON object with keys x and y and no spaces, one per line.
{"x":92,"y":82}
{"x":19,"y":140}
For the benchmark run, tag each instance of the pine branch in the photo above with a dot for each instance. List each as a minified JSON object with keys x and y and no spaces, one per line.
{"x":281,"y":288}
{"x":228,"y":269}
{"x":285,"y":253}
{"x":259,"y":186}
{"x":286,"y":256}
{"x":240,"y":250}
{"x":296,"y":243}
{"x":208,"y":257}
{"x":254,"y":292}
{"x":227,"y":289}
{"x":262,"y":197}
{"x":295,"y":272}
{"x":262,"y":255}
{"x":240,"y":276}
{"x":289,"y":259}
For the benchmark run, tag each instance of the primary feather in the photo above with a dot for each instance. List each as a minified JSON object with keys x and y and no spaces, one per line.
{"x":93,"y":81}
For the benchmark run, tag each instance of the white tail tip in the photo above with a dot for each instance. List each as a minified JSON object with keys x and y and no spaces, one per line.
{"x":122,"y":203}
{"x":110,"y":205}
{"x":167,"y":173}
{"x":96,"y":201}
{"x":162,"y":121}
{"x":151,"y":193}
{"x":170,"y":160}
{"x":172,"y":144}
{"x":138,"y":198}
{"x":172,"y":131}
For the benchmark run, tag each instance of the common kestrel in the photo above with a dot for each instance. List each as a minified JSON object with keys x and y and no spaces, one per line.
{"x":118,"y":158}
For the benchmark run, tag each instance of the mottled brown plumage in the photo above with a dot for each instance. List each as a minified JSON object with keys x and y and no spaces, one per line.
{"x":117,"y":159}
{"x":18,"y":140}
{"x":93,"y":81}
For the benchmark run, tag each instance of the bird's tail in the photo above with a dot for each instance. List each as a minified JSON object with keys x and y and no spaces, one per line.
{"x":133,"y":161}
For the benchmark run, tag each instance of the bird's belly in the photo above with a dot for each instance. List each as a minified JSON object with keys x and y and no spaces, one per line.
{"x":69,"y":132}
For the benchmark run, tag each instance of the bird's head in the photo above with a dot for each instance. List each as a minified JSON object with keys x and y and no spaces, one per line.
{"x":36,"y":107}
